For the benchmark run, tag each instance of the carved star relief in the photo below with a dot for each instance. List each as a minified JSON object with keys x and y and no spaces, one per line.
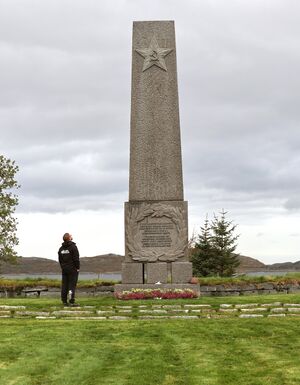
{"x":154,"y":55}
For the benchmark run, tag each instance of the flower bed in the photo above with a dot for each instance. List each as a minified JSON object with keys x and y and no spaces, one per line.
{"x":158,"y":293}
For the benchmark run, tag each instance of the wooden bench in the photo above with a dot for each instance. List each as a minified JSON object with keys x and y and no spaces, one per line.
{"x":33,"y":290}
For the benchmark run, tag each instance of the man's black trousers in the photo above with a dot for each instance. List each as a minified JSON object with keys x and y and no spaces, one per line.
{"x":69,"y":282}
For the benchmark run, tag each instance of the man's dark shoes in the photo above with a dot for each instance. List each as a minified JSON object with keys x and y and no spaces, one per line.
{"x":74,"y":304}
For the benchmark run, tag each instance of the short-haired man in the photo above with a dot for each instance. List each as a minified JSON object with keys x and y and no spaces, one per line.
{"x":68,"y":257}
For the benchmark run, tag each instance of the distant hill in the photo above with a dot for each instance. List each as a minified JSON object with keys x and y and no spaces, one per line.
{"x":108,"y":263}
{"x":112,"y":263}
{"x":248,"y":264}
{"x":290,"y":266}
{"x":30,"y":265}
{"x":251,"y":265}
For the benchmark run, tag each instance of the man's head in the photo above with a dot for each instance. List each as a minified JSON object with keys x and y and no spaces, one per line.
{"x":67,"y":237}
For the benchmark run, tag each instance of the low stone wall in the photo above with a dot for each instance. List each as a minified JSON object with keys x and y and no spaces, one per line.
{"x":82,"y":292}
{"x":55,"y":292}
{"x":248,"y":289}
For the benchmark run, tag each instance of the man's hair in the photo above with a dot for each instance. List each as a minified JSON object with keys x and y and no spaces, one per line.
{"x":66,"y":237}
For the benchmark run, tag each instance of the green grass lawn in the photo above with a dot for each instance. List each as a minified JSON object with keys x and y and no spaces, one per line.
{"x":44,"y":303}
{"x":164,"y":352}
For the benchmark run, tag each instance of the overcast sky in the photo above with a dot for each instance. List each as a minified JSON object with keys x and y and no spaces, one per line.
{"x":65,"y":72}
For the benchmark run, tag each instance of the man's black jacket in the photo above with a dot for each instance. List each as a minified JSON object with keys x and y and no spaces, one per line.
{"x":68,"y":256}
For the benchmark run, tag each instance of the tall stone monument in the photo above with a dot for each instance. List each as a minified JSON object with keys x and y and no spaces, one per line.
{"x":156,"y":226}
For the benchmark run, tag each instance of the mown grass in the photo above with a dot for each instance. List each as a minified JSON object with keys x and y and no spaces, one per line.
{"x":136,"y":352}
{"x":215,"y":352}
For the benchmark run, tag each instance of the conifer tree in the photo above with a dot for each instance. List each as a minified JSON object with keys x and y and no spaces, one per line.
{"x":203,"y":254}
{"x":8,"y":203}
{"x":214,"y":251}
{"x":223,"y":242}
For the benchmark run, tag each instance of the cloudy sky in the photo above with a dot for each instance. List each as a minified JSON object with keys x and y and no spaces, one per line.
{"x":65,"y":72}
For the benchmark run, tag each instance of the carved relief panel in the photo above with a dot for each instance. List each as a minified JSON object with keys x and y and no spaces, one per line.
{"x":156,"y":231}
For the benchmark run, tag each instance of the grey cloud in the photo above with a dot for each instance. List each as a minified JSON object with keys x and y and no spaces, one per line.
{"x":74,"y":169}
{"x":61,"y":25}
{"x":65,"y":204}
{"x":293,"y":203}
{"x":65,"y":101}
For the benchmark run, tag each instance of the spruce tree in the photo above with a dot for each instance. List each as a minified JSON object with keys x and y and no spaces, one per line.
{"x":8,"y":203}
{"x":223,"y":242}
{"x":203,"y":254}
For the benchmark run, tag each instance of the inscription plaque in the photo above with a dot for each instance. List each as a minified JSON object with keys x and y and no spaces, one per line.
{"x":157,"y":234}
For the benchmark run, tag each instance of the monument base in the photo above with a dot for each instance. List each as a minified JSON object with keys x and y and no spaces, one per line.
{"x":182,"y":272}
{"x":151,"y":273}
{"x":168,"y":286}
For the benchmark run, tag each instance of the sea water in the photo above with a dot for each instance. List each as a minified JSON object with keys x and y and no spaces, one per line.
{"x":82,"y":276}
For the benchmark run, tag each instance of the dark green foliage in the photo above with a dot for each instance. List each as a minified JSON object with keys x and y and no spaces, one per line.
{"x":214,"y":252}
{"x":223,"y":242}
{"x":203,"y":256}
{"x":8,"y":203}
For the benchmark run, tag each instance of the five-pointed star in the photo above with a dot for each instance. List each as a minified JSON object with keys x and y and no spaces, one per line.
{"x":154,"y":55}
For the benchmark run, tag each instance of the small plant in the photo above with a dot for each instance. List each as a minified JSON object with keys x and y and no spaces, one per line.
{"x":157,"y":293}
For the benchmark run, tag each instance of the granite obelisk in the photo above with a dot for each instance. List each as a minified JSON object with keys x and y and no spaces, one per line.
{"x":156,"y":229}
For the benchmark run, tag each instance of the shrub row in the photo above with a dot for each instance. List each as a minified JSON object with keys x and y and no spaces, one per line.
{"x":20,"y":284}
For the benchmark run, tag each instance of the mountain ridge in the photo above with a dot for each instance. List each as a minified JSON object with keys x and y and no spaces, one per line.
{"x":112,"y":263}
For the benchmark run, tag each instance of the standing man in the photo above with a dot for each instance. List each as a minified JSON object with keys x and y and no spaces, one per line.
{"x":68,"y":257}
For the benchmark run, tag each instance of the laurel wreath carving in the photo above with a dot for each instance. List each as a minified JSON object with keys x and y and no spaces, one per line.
{"x":158,"y":210}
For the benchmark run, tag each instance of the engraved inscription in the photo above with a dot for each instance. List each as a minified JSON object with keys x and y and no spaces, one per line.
{"x":156,"y":234}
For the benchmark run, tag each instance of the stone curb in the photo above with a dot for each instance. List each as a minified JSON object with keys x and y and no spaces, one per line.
{"x":246,"y":305}
{"x":278,"y":310}
{"x":293,"y":309}
{"x":71,"y":312}
{"x":117,"y":318}
{"x":42,"y":317}
{"x":32,"y":313}
{"x":84,"y":318}
{"x":258,"y":309}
